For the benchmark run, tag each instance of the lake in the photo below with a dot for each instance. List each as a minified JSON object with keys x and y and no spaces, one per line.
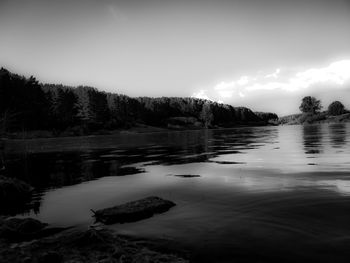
{"x":250,"y":194}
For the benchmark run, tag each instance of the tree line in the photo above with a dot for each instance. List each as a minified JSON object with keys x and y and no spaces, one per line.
{"x":311,"y":105}
{"x":311,"y":112}
{"x":26,"y":104}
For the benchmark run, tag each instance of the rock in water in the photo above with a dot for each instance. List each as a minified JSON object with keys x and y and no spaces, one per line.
{"x":133,"y":211}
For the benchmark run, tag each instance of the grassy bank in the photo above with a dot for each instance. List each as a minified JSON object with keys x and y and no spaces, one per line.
{"x":322,"y":117}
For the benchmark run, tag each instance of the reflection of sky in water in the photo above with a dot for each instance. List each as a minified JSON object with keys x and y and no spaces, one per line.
{"x":247,"y":152}
{"x":299,"y":149}
{"x":338,"y":185}
{"x":258,"y":187}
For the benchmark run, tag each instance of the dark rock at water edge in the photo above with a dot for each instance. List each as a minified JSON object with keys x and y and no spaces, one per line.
{"x":19,"y":229}
{"x":133,"y":211}
{"x":13,"y":194}
{"x":25,"y":229}
{"x":93,"y":245}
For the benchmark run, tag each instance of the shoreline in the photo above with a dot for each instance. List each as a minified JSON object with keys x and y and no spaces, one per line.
{"x":47,"y":134}
{"x":309,"y":119}
{"x":294,"y":119}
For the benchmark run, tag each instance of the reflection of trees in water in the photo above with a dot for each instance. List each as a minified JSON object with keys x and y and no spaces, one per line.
{"x":338,"y":133}
{"x":245,"y":138}
{"x":312,"y":139}
{"x":200,"y":146}
{"x":206,"y":140}
{"x":35,"y":202}
{"x":87,"y":166}
{"x":57,"y":169}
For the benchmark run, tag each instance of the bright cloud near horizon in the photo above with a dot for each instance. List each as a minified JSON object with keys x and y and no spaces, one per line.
{"x":288,"y":83}
{"x":262,"y":54}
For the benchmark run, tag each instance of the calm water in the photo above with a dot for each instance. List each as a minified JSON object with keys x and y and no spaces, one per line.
{"x":261,"y":194}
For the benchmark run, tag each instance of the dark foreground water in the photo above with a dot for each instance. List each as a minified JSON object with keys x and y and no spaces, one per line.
{"x":264,"y":194}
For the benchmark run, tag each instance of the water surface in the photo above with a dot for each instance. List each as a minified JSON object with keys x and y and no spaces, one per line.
{"x":259,"y":194}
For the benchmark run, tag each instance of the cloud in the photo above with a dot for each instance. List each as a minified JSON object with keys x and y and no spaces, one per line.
{"x":336,"y":75}
{"x":225,"y":85}
{"x":243,"y":80}
{"x":273,"y":75}
{"x":225,"y":93}
{"x":282,"y":90}
{"x":227,"y":89}
{"x":200,"y":95}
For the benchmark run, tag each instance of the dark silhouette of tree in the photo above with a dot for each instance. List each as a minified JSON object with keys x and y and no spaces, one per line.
{"x":98,"y":107}
{"x":25,"y":100}
{"x":65,"y":109}
{"x":35,"y":110}
{"x":83,"y":106}
{"x":310,"y":105}
{"x":267,"y":116}
{"x":206,"y":115}
{"x":26,"y":104}
{"x":336,"y":108}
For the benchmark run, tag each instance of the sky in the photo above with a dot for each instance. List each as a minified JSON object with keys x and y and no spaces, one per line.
{"x":262,"y":54}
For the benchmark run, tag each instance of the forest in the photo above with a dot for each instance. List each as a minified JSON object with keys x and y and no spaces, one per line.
{"x":27,"y":105}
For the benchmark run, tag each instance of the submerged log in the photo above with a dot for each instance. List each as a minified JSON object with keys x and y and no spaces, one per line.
{"x":133,"y":211}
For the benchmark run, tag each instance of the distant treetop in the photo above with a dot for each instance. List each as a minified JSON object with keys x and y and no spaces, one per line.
{"x":310,"y":105}
{"x":336,"y":108}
